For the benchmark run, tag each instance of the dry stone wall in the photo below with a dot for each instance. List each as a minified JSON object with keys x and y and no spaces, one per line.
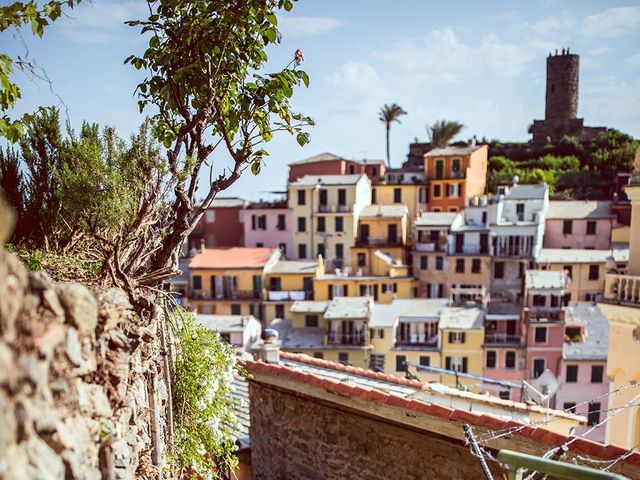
{"x":81,"y":390}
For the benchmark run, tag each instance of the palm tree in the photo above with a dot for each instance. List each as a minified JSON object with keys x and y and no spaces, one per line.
{"x":442,"y":131}
{"x":387,"y":115}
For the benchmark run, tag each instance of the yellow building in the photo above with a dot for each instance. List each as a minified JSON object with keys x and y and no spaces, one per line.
{"x":430,"y":249}
{"x":411,"y":195}
{"x":325,"y":210}
{"x":586,"y":269}
{"x":383,"y":228}
{"x":229,"y":281}
{"x":336,"y":330}
{"x":622,"y":307}
{"x":287,"y":281}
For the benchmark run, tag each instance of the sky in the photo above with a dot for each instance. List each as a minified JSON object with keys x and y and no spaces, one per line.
{"x":478,"y":63}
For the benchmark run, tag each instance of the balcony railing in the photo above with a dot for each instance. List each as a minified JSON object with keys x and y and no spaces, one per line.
{"x":417,"y":340}
{"x":234,"y":295}
{"x":378,"y":242}
{"x":337,"y":338}
{"x":333,"y":208}
{"x":502,"y":339}
{"x":290,"y":295}
{"x":544,"y":314}
{"x":430,"y":247}
{"x":622,"y":289}
{"x":470,"y":250}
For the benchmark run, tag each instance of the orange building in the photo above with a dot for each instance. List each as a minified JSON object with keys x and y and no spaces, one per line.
{"x":453,"y":174}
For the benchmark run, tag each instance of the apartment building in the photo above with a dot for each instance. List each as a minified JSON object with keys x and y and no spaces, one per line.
{"x":430,"y":255}
{"x":221,"y":225}
{"x":380,"y":228}
{"x":268,"y":224}
{"x":229,"y":281}
{"x":239,"y":331}
{"x":454,"y":173}
{"x":580,"y":224}
{"x":329,"y":164}
{"x":396,"y":192}
{"x":325,"y":210}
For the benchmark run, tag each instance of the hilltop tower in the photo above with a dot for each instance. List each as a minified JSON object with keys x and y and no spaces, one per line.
{"x":561,"y":102}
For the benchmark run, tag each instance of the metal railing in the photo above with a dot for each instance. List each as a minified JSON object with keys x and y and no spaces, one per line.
{"x":498,"y":338}
{"x":338,"y":338}
{"x":378,"y":241}
{"x":417,"y":340}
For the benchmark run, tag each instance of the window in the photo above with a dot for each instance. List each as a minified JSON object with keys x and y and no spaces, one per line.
{"x":593,"y":418}
{"x":510,"y":359}
{"x":339,"y":250}
{"x":456,"y":337}
{"x":439,"y":263}
{"x":339,"y":224}
{"x":475,"y":265}
{"x":538,"y":367}
{"x":490,"y":362}
{"x":342,"y":196}
{"x":302,"y":250}
{"x":457,"y":364}
{"x":343,"y":357}
{"x":505,"y":395}
{"x":397,"y":195}
{"x":425,"y":360}
{"x":572,"y":374}
{"x":424,"y":262}
{"x":453,"y":190}
{"x":377,"y":333}
{"x":319,"y":355}
{"x":498,"y":270}
{"x":437,"y":210}
{"x":455,"y":167}
{"x":569,"y":407}
{"x":210,"y":216}
{"x":302,"y":224}
{"x":401,"y":363}
{"x":437,"y":191}
{"x":422,"y":195}
{"x":597,"y":373}
{"x":594,"y":272}
{"x":259,"y":244}
{"x":520,"y":211}
{"x":262,"y":222}
{"x":275,"y":284}
{"x":311,"y":321}
{"x":281,"y":225}
{"x":540,"y":334}
{"x":362,"y":259}
{"x":196,"y":280}
{"x":439,"y":169}
{"x":569,"y":270}
{"x":302,"y":198}
{"x":572,"y":332}
{"x":236,"y":309}
{"x":567,"y":227}
{"x":321,"y":250}
{"x":279,"y":310}
{"x":283,"y":248}
{"x":373,"y":196}
{"x":321,"y":224}
{"x":591,"y":227}
{"x":459,"y":265}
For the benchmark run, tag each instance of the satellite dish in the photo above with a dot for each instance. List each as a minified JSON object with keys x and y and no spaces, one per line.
{"x":540,"y":389}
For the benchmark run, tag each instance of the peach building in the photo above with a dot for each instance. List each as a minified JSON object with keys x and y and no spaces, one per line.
{"x":579,"y":224}
{"x":453,"y":174}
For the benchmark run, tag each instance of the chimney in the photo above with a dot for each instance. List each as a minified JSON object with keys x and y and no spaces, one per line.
{"x":270,"y":350}
{"x":202,"y":245}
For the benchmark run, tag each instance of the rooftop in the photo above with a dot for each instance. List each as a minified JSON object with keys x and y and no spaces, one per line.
{"x":577,"y":255}
{"x":349,"y":307}
{"x":436,"y":219}
{"x":579,"y":209}
{"x":453,"y":150}
{"x":461,"y":318}
{"x":594,"y":345}
{"x":231,"y":257}
{"x":295,"y":266}
{"x":308,"y":306}
{"x":321,"y":157}
{"x":307,"y":337}
{"x":385,"y":211}
{"x":227,"y":202}
{"x":527,"y":192}
{"x":545,"y":280}
{"x":385,"y":315}
{"x":326,"y":180}
{"x":224,"y":323}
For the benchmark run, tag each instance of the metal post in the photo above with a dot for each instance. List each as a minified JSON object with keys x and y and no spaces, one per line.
{"x":468,"y":433}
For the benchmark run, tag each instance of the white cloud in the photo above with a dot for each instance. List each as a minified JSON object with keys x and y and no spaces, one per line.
{"x":613,"y":22}
{"x":634,"y":60}
{"x":301,"y":26}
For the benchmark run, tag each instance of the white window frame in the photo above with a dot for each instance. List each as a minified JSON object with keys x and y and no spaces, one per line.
{"x":456,"y":337}
{"x":457,"y":364}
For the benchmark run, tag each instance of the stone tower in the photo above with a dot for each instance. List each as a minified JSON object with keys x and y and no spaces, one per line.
{"x":561,"y":103}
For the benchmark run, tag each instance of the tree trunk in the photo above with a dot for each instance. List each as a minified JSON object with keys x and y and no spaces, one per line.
{"x":388,"y":157}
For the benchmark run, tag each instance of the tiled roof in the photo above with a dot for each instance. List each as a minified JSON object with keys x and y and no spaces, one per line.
{"x":308,"y":306}
{"x":227,"y":202}
{"x":461,"y":318}
{"x":326,"y":180}
{"x":240,"y":393}
{"x":224,"y":323}
{"x":385,"y":315}
{"x":321,"y":157}
{"x":544,"y":279}
{"x":392,"y":396}
{"x":307,"y":337}
{"x":295,"y":266}
{"x":452,"y":150}
{"x":349,"y":307}
{"x":578,"y":255}
{"x":578,"y":209}
{"x":436,"y":219}
{"x":231,"y":257}
{"x":594,"y":345}
{"x":527,"y":192}
{"x":384,"y":211}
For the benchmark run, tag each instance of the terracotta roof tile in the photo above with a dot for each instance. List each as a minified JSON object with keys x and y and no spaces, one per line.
{"x":232,"y":257}
{"x":586,"y":446}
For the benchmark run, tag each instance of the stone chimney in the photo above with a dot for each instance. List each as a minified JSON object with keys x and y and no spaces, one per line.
{"x":270,"y":350}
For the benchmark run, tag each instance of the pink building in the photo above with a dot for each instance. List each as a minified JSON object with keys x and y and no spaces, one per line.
{"x":545,"y":305}
{"x":330,"y":164}
{"x":583,"y":382}
{"x":579,"y":224}
{"x":268,"y":224}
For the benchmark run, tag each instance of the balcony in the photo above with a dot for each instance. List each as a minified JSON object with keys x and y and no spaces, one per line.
{"x":431,"y":247}
{"x":470,"y":250}
{"x":230,"y":295}
{"x":544,"y":314}
{"x":290,"y":295}
{"x":378,"y":242}
{"x":497,"y":339}
{"x":417,"y":340}
{"x":352,"y":339}
{"x":334,"y":208}
{"x":623,"y":289}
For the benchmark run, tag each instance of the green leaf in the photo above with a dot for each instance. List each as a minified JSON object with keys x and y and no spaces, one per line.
{"x":255,"y":167}
{"x":304,"y":77}
{"x":271,"y":34}
{"x":303,"y":138}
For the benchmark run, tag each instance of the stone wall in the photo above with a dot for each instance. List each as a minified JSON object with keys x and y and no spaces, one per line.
{"x":81,"y":390}
{"x":294,"y":438}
